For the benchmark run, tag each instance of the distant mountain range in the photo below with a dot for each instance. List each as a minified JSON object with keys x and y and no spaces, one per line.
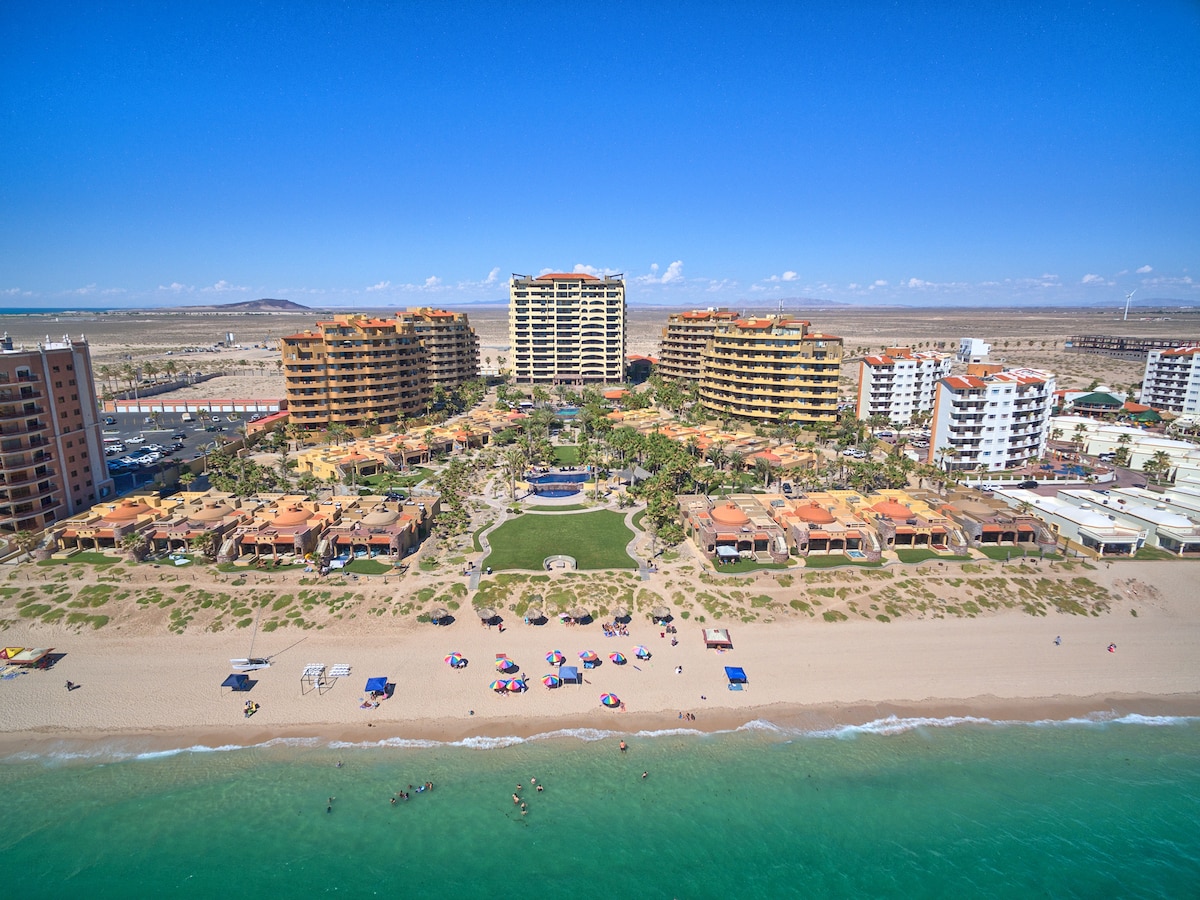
{"x":264,"y":305}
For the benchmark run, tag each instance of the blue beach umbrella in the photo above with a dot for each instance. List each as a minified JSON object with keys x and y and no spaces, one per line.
{"x":376,"y":685}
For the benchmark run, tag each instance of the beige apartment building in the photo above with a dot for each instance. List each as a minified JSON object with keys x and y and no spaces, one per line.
{"x":51,"y":447}
{"x":355,"y":371}
{"x":451,"y":345}
{"x":567,"y":328}
{"x":772,"y":369}
{"x":684,"y":338}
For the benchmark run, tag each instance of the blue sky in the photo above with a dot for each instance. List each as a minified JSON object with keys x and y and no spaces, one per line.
{"x":380,"y":154}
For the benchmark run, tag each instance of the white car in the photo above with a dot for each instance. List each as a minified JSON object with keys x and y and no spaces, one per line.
{"x":849,"y":451}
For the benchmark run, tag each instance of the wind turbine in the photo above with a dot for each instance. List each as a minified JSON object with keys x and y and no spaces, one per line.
{"x":1128,"y":297}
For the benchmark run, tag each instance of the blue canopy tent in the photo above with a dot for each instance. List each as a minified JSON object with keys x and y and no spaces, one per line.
{"x":737,"y":677}
{"x":377,"y":685}
{"x":239,"y":682}
{"x":569,"y":674}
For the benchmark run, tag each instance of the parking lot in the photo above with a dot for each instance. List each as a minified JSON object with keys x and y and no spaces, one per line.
{"x":138,"y":446}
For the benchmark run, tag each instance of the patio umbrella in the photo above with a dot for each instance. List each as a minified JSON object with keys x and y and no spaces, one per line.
{"x":577,"y":612}
{"x":610,"y":700}
{"x":660,"y":612}
{"x":437,"y":614}
{"x":516,"y":685}
{"x":618,"y":658}
{"x":534,"y":614}
{"x":486,"y":613}
{"x":620,"y":613}
{"x":588,"y":655}
{"x":641,"y":652}
{"x":376,"y":685}
{"x":551,"y":681}
{"x":503,"y":663}
{"x":499,"y":684}
{"x":455,"y":659}
{"x":555,"y":658}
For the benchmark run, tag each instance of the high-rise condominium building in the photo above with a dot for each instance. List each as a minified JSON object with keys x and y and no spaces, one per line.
{"x":354,"y":371}
{"x":991,"y":420}
{"x":898,"y":383}
{"x":567,"y":328}
{"x":51,"y":448}
{"x":684,"y":338}
{"x":1172,"y":380}
{"x":772,"y":369}
{"x":451,"y":345}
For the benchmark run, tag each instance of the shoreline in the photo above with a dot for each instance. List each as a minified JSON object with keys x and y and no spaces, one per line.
{"x":788,"y":720}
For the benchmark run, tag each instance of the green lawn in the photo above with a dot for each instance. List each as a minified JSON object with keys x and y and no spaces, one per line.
{"x":748,"y":565}
{"x":367,"y":567}
{"x":637,"y":520}
{"x":831,"y":562}
{"x":919,"y":554}
{"x":385,"y":481}
{"x":548,"y":508}
{"x":566,"y":455}
{"x":89,"y":557}
{"x":596,"y":539}
{"x":1003,"y":553}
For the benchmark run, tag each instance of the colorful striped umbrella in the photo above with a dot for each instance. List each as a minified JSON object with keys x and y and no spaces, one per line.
{"x":588,"y":655}
{"x":503,"y":663}
{"x":610,"y":700}
{"x":455,"y":659}
{"x":516,"y":685}
{"x":618,"y":658}
{"x":641,"y":652}
{"x":499,"y":685}
{"x":555,"y":658}
{"x":551,"y":681}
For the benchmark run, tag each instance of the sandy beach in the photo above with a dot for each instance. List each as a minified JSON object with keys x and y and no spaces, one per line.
{"x":163,"y":690}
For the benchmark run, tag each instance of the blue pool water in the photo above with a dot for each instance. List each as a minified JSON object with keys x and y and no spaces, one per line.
{"x":558,"y":478}
{"x":563,"y":492}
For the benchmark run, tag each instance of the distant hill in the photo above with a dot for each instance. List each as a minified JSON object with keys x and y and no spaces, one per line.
{"x":266,"y":305}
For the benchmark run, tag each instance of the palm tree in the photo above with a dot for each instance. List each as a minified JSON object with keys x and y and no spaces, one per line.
{"x":336,"y":432}
{"x":514,"y":465}
{"x":1079,"y":436}
{"x":187,"y":478}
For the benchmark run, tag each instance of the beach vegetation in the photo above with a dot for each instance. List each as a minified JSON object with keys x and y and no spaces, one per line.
{"x":834,"y":615}
{"x":882,"y":618}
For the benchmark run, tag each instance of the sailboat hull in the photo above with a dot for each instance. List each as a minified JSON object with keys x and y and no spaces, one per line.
{"x":249,"y":665}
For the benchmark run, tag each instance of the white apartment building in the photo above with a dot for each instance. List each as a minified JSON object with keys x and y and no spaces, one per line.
{"x":973,"y":349}
{"x":899,"y":383}
{"x":1172,"y":380}
{"x":567,"y":328}
{"x":990,"y":420}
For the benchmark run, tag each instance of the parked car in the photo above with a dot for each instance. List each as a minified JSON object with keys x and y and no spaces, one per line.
{"x":1030,"y":483}
{"x":109,"y":420}
{"x":176,"y":447}
{"x":179,"y":436}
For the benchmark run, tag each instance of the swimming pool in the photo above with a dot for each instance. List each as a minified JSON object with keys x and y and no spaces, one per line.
{"x":558,"y":478}
{"x":557,"y":492}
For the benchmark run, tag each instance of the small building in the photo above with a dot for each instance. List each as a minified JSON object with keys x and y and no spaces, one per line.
{"x":1082,"y":528}
{"x":198,"y":515}
{"x":737,"y":528}
{"x":374,"y":527}
{"x":990,"y":522}
{"x":288,"y":526}
{"x":904,"y":521}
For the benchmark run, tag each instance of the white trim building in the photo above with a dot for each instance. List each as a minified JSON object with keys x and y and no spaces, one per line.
{"x":1172,"y":380}
{"x":900,"y":382}
{"x":991,"y":422}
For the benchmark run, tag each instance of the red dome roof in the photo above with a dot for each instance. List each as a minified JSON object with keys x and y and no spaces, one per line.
{"x":126,"y":511}
{"x":728,"y":514}
{"x":892,"y":510}
{"x":293,"y":515}
{"x":817,"y":515}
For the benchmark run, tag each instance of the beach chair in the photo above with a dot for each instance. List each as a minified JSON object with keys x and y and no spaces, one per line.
{"x":341,"y":670}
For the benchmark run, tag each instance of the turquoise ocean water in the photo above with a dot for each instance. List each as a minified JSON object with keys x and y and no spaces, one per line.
{"x":895,"y":809}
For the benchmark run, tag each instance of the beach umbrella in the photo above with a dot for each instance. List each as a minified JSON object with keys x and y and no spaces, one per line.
{"x":618,"y":658}
{"x":641,"y":652}
{"x":455,"y":659}
{"x":534,"y":614}
{"x":620,"y":613}
{"x":516,"y":685}
{"x":577,"y":612}
{"x":555,"y":658}
{"x":438,"y":613}
{"x":503,"y":663}
{"x":486,"y":613}
{"x":588,"y":655}
{"x":551,"y":681}
{"x":660,"y":612}
{"x":610,"y":700}
{"x":499,"y":684}
{"x":376,"y":685}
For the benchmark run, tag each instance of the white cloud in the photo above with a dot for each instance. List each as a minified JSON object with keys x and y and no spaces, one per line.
{"x":15,"y":292}
{"x":379,"y":286}
{"x":223,"y":287}
{"x":176,"y":288}
{"x":788,"y":276}
{"x":493,"y":276}
{"x":1145,"y":270}
{"x":918,"y":283}
{"x":653,"y":267}
{"x":878,"y":283}
{"x":1092,"y":279}
{"x":674,"y":273}
{"x":432,"y":281}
